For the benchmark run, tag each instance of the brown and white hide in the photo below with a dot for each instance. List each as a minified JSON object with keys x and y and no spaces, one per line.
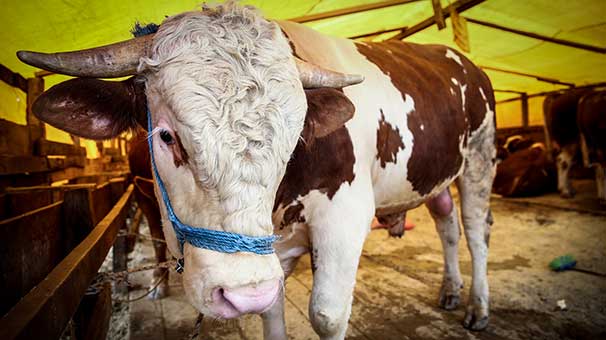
{"x":560,"y":114}
{"x":244,"y":143}
{"x":526,"y":172}
{"x":591,"y":119}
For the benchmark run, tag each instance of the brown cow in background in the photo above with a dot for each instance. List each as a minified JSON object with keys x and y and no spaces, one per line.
{"x":139,"y":162}
{"x":591,"y":120}
{"x":525,"y":172}
{"x":560,"y":113}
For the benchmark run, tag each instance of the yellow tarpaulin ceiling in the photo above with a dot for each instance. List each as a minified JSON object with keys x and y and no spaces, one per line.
{"x":58,"y":25}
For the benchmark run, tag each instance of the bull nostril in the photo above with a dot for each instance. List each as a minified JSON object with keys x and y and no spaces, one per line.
{"x":250,"y":299}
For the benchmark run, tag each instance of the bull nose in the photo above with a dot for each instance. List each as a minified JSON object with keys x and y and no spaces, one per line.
{"x":232,"y":302}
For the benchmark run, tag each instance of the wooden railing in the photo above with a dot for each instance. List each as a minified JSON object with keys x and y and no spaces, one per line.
{"x":51,"y":255}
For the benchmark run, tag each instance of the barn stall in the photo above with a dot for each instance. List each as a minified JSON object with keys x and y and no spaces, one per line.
{"x":68,"y":215}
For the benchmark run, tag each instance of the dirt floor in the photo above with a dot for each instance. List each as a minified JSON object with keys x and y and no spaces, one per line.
{"x":399,"y":279}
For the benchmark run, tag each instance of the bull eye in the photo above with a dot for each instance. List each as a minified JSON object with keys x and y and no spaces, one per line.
{"x":166,"y":137}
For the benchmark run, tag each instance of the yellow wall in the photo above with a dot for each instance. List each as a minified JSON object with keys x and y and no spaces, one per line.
{"x":13,"y":103}
{"x":535,"y":110}
{"x":509,"y":114}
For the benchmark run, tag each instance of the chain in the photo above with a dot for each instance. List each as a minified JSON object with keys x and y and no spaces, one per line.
{"x":118,"y":277}
{"x":149,"y":291}
{"x":123,"y":234}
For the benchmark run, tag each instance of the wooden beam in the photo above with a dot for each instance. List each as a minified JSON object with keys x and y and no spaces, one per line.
{"x":545,"y":93}
{"x":14,"y":139}
{"x":43,"y":147}
{"x":12,"y":165}
{"x":524,"y":102}
{"x":48,"y":307}
{"x":133,"y":229}
{"x":366,"y":35}
{"x":93,"y":315}
{"x":22,"y":202}
{"x":43,"y":73}
{"x":539,"y":36}
{"x":508,"y":91}
{"x":31,"y":248}
{"x":64,"y":187}
{"x":438,"y":14}
{"x":55,"y":163}
{"x":35,"y":87}
{"x":13,"y":79}
{"x":460,"y":6}
{"x":522,"y":74}
{"x":350,"y":10}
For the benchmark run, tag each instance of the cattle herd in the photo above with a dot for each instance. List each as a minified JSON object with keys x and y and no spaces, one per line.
{"x":575,"y":134}
{"x":262,"y":127}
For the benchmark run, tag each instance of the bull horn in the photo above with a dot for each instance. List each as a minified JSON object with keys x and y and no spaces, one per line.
{"x":313,"y":76}
{"x":110,"y":61}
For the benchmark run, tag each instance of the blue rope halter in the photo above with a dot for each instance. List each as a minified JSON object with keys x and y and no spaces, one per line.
{"x":221,"y":241}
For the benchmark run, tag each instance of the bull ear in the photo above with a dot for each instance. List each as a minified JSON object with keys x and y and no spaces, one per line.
{"x":93,"y":108}
{"x":327,"y":110}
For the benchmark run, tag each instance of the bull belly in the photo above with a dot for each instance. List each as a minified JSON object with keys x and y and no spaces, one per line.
{"x":394,"y":193}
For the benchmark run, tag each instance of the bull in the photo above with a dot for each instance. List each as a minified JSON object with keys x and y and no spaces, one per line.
{"x":572,"y":118}
{"x":525,"y":172}
{"x":591,"y":121}
{"x":261,"y":127}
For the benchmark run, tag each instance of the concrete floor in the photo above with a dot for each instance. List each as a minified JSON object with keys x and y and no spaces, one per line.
{"x":399,"y":279}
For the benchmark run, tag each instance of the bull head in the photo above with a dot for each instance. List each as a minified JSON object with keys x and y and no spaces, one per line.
{"x":226,"y":121}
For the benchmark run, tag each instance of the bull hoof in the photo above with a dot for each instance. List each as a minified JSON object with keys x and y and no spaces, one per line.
{"x":450,"y":293}
{"x":449,"y":301}
{"x":476,"y":319}
{"x":397,"y":231}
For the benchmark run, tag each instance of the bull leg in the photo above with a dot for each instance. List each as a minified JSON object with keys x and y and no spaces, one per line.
{"x":445,"y":216}
{"x":474,"y":187}
{"x":274,"y":326}
{"x":152,"y":214}
{"x":564,"y":161}
{"x":600,"y":178}
{"x":337,"y":236}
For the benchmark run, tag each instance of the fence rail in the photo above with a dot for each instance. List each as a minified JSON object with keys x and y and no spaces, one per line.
{"x":46,"y":310}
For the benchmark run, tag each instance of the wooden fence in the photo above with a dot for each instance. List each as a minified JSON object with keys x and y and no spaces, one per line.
{"x":54,"y":238}
{"x":51,"y":255}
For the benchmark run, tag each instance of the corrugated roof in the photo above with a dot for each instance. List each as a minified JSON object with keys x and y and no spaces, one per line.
{"x":54,"y":25}
{"x":59,"y":25}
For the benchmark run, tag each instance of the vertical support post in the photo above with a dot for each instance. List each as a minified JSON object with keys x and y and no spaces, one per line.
{"x":119,"y":249}
{"x":524,"y":101}
{"x":75,"y":139}
{"x":438,"y":15}
{"x":93,"y":315}
{"x":35,"y":87}
{"x":77,"y":217}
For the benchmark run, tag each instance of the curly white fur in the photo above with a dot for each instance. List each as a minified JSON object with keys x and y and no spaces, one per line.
{"x":228,"y":78}
{"x":225,"y":81}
